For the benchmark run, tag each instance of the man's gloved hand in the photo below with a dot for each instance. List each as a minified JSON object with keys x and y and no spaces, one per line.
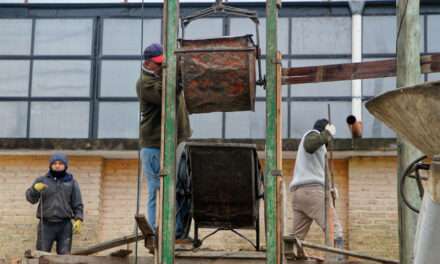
{"x":77,"y":226}
{"x":39,"y":186}
{"x":331,"y":129}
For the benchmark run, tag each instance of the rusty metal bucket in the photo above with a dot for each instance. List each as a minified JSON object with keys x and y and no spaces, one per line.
{"x":218,"y":74}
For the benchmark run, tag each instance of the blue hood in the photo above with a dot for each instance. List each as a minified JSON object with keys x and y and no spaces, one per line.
{"x":59,"y":157}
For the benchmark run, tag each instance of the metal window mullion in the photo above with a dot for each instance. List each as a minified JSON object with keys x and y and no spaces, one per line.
{"x":31,"y":69}
{"x":289,"y":92}
{"x":95,"y":81}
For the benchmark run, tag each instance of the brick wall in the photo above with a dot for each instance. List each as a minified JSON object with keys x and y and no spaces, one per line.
{"x":119,"y":200}
{"x":372,"y":206}
{"x":367,"y":204}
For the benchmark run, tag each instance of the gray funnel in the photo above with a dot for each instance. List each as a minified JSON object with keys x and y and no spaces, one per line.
{"x":413,"y":112}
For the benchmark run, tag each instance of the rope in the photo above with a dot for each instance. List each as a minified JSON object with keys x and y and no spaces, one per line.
{"x":41,"y":219}
{"x":138,"y":187}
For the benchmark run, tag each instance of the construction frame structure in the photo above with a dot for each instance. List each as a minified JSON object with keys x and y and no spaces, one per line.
{"x":273,"y":136}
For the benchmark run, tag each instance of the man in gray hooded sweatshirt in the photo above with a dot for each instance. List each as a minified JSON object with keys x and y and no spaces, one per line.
{"x":60,"y":202}
{"x":307,"y":184}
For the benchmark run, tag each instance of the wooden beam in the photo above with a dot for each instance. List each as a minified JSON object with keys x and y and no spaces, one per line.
{"x":69,"y":259}
{"x":279,"y":156}
{"x":121,"y":253}
{"x":108,"y":245}
{"x":292,"y":240}
{"x":353,"y":71}
{"x":143,"y":225}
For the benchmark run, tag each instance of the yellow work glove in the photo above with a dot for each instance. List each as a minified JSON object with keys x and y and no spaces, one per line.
{"x":39,"y":186}
{"x":77,"y":226}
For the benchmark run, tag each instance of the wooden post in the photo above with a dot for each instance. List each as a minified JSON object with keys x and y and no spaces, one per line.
{"x":279,"y":158}
{"x":169,"y":138}
{"x":270,"y":180}
{"x":408,"y":73}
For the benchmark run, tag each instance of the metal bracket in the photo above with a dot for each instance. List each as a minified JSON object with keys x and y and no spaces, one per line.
{"x":276,"y":173}
{"x":163,"y":173}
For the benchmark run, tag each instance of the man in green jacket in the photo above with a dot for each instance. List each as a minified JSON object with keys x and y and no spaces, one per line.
{"x":149,"y":92}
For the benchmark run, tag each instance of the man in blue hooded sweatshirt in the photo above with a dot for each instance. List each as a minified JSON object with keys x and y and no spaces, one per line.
{"x":60,"y":202}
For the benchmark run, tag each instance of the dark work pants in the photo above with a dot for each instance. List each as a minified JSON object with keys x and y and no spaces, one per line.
{"x":59,"y":232}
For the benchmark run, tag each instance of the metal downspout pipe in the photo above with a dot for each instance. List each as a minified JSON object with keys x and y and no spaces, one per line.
{"x":356,"y":7}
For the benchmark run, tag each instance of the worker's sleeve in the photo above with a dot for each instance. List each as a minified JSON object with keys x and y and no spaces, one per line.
{"x":32,"y":195}
{"x":77,"y":204}
{"x":315,"y":140}
{"x":149,"y":90}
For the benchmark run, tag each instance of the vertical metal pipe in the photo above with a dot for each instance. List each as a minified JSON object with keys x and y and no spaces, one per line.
{"x":408,"y":73}
{"x":356,"y":8}
{"x":169,"y":131}
{"x":271,"y":118}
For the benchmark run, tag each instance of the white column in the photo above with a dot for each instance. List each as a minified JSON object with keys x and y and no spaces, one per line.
{"x":356,"y":7}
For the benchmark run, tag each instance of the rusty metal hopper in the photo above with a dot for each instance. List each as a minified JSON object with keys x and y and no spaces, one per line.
{"x":413,"y":112}
{"x":218,"y":75}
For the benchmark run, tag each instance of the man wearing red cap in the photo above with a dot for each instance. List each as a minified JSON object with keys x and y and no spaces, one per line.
{"x":149,"y":92}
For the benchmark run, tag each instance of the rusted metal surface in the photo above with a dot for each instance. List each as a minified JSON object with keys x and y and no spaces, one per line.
{"x":225,"y":185}
{"x":218,"y":75}
{"x":413,"y":112}
{"x":353,"y":71}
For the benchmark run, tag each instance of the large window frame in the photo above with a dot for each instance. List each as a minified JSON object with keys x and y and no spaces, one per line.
{"x":99,"y":13}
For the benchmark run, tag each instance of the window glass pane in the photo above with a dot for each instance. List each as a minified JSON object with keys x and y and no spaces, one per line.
{"x":204,"y":28}
{"x":13,"y":117}
{"x":248,"y":124}
{"x":61,"y":78}
{"x":321,"y":35}
{"x":379,"y":34}
{"x":244,"y":26}
{"x":118,"y":78}
{"x":15,"y":36}
{"x":304,"y":115}
{"x":118,"y":120}
{"x":374,"y":87}
{"x":59,"y":119}
{"x":206,"y":125}
{"x":123,"y":36}
{"x":63,"y":36}
{"x":433,"y":33}
{"x":261,"y":92}
{"x":374,"y":128}
{"x":14,"y":77}
{"x":340,"y":88}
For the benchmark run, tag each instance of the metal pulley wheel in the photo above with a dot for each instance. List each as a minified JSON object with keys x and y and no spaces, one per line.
{"x":413,"y":172}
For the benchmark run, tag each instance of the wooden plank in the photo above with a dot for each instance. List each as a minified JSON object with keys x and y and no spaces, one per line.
{"x":279,"y":156}
{"x":121,"y":253}
{"x":69,"y":259}
{"x":145,"y":228}
{"x":108,"y":244}
{"x":143,"y":225}
{"x":291,"y":240}
{"x":29,"y":253}
{"x":353,"y":71}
